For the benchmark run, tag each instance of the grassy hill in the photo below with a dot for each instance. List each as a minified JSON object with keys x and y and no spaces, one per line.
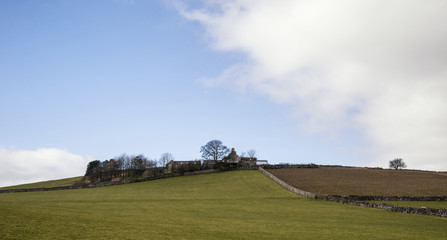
{"x":364,"y":181}
{"x":47,"y":184}
{"x":229,"y":205}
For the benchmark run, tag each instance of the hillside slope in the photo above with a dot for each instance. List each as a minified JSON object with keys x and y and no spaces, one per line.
{"x":229,"y":205}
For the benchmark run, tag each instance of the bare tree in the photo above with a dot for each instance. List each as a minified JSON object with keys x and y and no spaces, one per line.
{"x":251,"y":153}
{"x":151,"y":168}
{"x":165,"y":158}
{"x":119,"y":166}
{"x":214,"y":150}
{"x":127,"y":164}
{"x":397,"y":163}
{"x":151,"y":163}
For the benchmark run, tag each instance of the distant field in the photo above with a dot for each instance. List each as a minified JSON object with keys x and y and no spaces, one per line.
{"x":45,"y":184}
{"x":362,"y":181}
{"x":229,"y":205}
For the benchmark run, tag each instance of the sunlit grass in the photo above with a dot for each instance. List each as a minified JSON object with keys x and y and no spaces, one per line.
{"x":230,"y":205}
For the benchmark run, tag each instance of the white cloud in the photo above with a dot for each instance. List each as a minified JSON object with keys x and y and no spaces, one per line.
{"x":26,"y":166}
{"x":375,"y":66}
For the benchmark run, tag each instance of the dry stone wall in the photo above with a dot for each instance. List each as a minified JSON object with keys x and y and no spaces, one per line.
{"x":104,"y":184}
{"x":247,"y":168}
{"x":199,"y":172}
{"x":279,"y":166}
{"x":361,"y":200}
{"x":396,"y":198}
{"x":389,"y":207}
{"x":286,"y":185}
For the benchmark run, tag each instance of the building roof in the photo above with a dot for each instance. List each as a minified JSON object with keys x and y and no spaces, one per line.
{"x":262,"y":162}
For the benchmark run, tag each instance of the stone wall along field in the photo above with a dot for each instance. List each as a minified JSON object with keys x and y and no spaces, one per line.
{"x":286,"y":185}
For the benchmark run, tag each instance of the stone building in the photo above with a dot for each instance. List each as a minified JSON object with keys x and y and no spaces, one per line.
{"x":173,"y":166}
{"x":248,"y":161}
{"x":232,"y":157}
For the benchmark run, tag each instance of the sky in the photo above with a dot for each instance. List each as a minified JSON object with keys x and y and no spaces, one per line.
{"x":344,"y":82}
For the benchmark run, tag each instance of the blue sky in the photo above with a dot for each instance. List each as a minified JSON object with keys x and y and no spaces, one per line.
{"x":95,"y":79}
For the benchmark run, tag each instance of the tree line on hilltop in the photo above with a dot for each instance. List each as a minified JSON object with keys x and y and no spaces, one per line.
{"x":139,"y":166}
{"x":119,"y":167}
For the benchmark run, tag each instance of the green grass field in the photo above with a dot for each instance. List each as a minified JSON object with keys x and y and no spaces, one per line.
{"x":416,"y":204}
{"x":47,"y":184}
{"x":229,"y":205}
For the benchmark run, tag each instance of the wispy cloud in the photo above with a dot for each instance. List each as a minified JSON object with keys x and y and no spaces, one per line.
{"x":25,"y":166}
{"x":375,"y":66}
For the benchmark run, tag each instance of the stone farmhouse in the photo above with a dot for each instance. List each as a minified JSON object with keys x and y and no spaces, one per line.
{"x":232,"y":158}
